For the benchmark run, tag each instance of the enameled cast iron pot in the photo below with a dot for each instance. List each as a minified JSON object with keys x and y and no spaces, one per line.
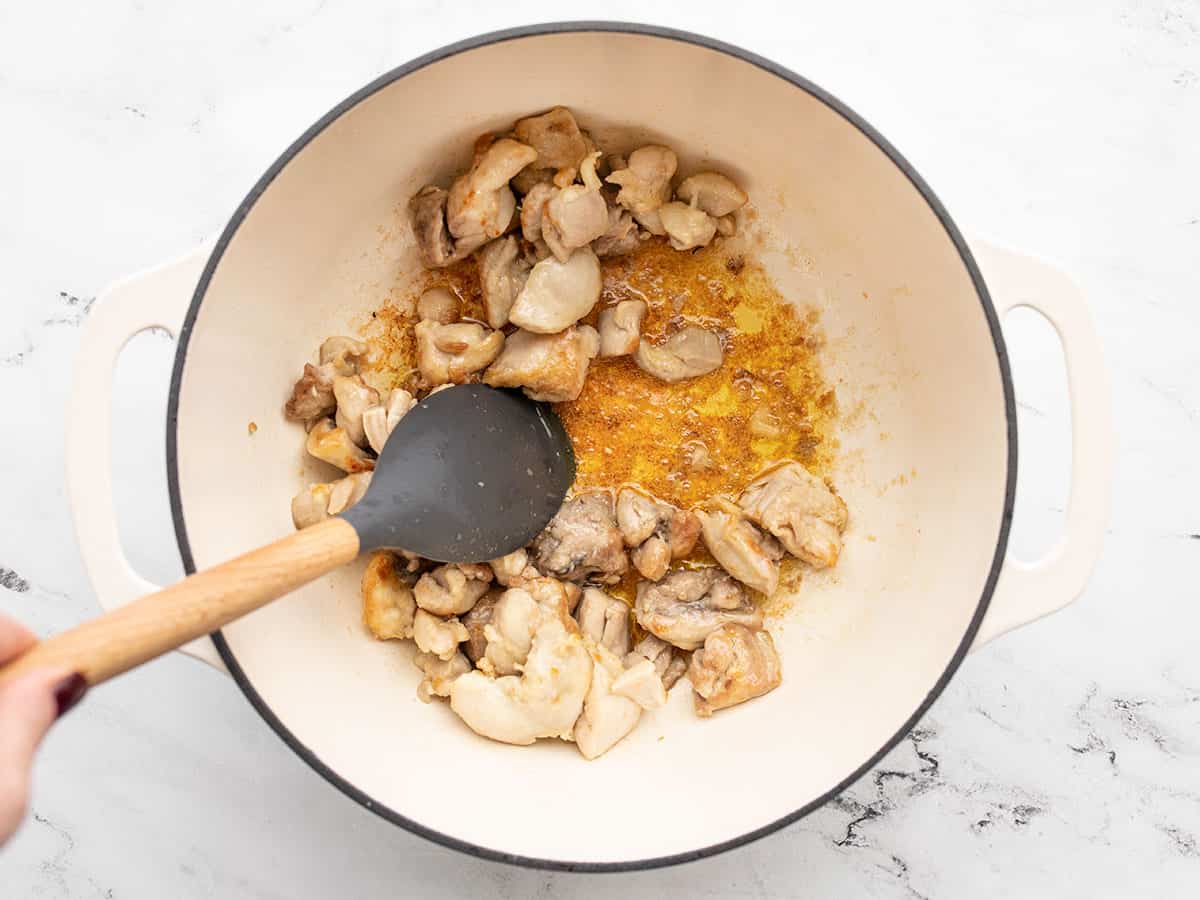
{"x":928,"y":450}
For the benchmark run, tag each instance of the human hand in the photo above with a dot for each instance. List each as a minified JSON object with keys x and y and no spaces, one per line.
{"x":29,"y":705}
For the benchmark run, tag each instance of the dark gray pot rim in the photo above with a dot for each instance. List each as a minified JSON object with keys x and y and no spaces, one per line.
{"x":670,"y":34}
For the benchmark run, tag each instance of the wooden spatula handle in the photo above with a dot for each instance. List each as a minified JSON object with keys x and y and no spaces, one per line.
{"x":200,"y":604}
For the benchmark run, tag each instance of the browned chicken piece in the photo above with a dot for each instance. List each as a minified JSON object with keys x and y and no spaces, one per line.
{"x":530,"y":177}
{"x":646,"y":183}
{"x":312,"y":395}
{"x":688,"y":353}
{"x":726,"y":226}
{"x":800,"y":510}
{"x":440,"y":674}
{"x":556,"y":137}
{"x":448,"y":354}
{"x":620,"y":235}
{"x":502,"y":274}
{"x":514,"y":569}
{"x":533,"y":210}
{"x":688,"y":605}
{"x":354,"y":397}
{"x":557,"y":293}
{"x":669,"y":663}
{"x":711,"y":192}
{"x":481,"y":204}
{"x":343,"y":355}
{"x":475,"y":620}
{"x":311,"y":505}
{"x":331,"y":444}
{"x":379,"y":420}
{"x":438,"y":635}
{"x":582,"y":542}
{"x":686,"y":226}
{"x":345,"y":492}
{"x":388,"y":604}
{"x":438,"y":305}
{"x":656,"y":532}
{"x":735,"y":664}
{"x":437,"y":248}
{"x":576,"y":215}
{"x":651,"y":222}
{"x":620,"y":327}
{"x":452,"y":589}
{"x":604,"y":619}
{"x":550,"y":367}
{"x":742,"y":550}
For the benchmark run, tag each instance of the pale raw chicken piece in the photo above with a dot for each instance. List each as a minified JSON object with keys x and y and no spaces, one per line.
{"x":509,"y":634}
{"x":800,"y":510}
{"x":550,"y":367}
{"x":547,"y":697}
{"x":345,"y":492}
{"x":576,"y":215}
{"x":440,"y":674}
{"x":688,"y":605}
{"x":438,"y":636}
{"x":735,"y":664}
{"x":646,"y":183}
{"x":620,"y":236}
{"x":380,"y":420}
{"x":452,"y":589}
{"x":311,"y":505}
{"x":343,"y":355}
{"x":436,"y":246}
{"x":642,"y":684}
{"x":514,"y":569}
{"x":686,"y":226}
{"x":555,"y":136}
{"x":711,"y":192}
{"x":620,"y":327}
{"x":480,"y":203}
{"x":742,"y":550}
{"x":558,"y":294}
{"x":312,"y":395}
{"x":533,"y":211}
{"x":438,"y":305}
{"x":331,"y":444}
{"x":669,"y":665}
{"x":388,"y":604}
{"x":354,"y":398}
{"x":582,"y":541}
{"x":688,"y":353}
{"x":606,"y":717}
{"x":502,"y":274}
{"x":476,"y":619}
{"x":448,"y":354}
{"x":604,"y":620}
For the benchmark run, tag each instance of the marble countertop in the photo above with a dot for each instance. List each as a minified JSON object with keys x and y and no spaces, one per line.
{"x":1064,"y":759}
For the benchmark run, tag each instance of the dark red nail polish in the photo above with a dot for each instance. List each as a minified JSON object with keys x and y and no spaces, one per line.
{"x":69,"y":692}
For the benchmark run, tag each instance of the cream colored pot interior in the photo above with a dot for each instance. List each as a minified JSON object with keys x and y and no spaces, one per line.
{"x":923,"y":467}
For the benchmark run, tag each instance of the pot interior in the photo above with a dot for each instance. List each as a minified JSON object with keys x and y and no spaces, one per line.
{"x":923,"y":461}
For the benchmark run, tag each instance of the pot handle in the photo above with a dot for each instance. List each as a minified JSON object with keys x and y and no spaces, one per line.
{"x":157,"y":297}
{"x":1029,"y":590}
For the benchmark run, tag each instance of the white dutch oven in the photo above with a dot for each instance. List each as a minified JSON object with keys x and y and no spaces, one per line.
{"x":928,"y":459}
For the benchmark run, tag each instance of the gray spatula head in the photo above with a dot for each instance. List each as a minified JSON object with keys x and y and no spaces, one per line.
{"x":469,"y":474}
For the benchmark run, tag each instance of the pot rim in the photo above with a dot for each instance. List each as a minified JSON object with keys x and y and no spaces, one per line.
{"x":536,"y":30}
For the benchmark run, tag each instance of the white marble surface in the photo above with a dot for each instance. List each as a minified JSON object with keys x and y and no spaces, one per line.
{"x":1063,"y":761}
